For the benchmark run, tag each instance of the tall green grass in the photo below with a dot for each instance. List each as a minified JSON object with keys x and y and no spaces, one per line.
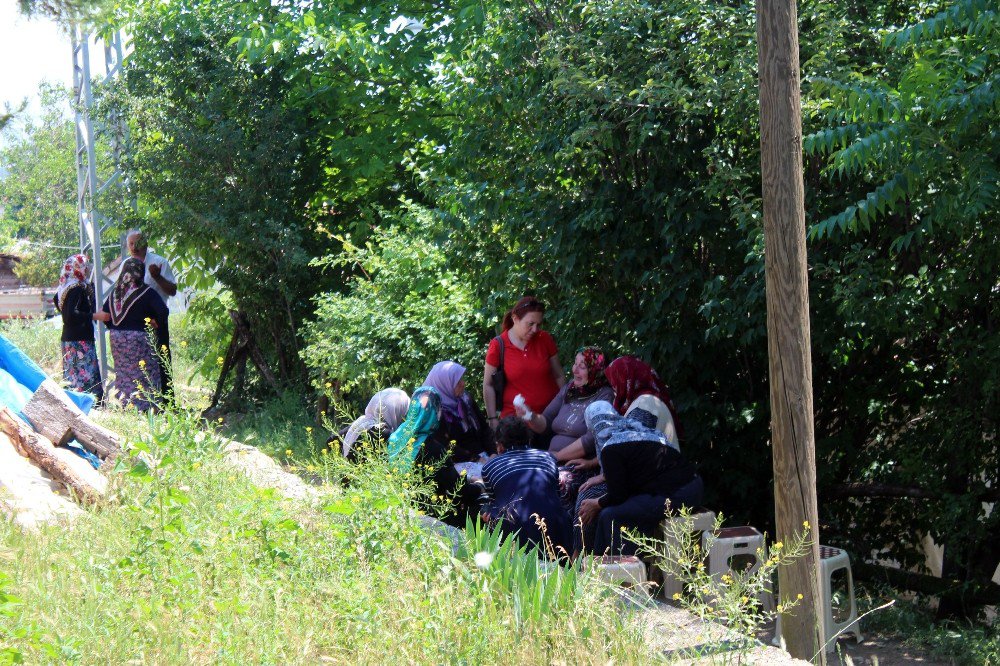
{"x":189,"y":563}
{"x":40,"y":340}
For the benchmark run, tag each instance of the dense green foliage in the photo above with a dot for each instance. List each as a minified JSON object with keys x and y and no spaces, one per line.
{"x":406,"y":309}
{"x":38,"y":196}
{"x":905,"y":280}
{"x":605,"y":156}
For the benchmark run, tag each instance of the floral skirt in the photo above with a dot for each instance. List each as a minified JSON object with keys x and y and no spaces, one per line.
{"x":137,"y":371}
{"x":80,"y":368}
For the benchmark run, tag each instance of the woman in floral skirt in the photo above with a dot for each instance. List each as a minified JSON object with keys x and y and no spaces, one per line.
{"x":132,"y":311}
{"x":74,"y":299}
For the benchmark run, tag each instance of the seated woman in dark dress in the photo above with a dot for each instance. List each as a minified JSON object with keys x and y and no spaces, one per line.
{"x":642,"y":473}
{"x":522,"y":488}
{"x":417,"y":442}
{"x":133,"y":312}
{"x":462,"y":425}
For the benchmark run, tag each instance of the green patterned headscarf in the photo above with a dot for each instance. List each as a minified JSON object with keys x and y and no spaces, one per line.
{"x":421,"y":420}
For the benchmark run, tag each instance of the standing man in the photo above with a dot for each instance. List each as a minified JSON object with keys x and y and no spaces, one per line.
{"x":161,"y":279}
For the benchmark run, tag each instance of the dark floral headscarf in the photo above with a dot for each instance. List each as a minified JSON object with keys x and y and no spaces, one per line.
{"x":593,"y":358}
{"x":128,"y":289}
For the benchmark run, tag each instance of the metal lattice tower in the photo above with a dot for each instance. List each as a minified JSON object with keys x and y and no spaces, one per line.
{"x":93,"y":219}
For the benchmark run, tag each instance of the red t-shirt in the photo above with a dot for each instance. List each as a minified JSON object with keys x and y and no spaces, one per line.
{"x":529,"y":371}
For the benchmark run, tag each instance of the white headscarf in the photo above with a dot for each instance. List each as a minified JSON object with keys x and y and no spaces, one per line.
{"x":387,"y":407}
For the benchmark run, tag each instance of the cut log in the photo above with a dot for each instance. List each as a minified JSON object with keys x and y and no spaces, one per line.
{"x":52,"y":413}
{"x":40,"y":450}
{"x":97,"y":439}
{"x":56,"y":418}
{"x":28,"y":496}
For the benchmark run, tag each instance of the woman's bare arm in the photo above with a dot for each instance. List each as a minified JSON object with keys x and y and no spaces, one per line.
{"x":489,"y":396}
{"x":571,"y":452}
{"x":557,"y":371}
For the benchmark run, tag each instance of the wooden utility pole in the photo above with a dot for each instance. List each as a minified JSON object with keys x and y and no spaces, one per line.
{"x":790,"y":361}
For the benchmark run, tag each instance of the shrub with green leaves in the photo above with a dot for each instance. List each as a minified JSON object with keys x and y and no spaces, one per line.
{"x":405,"y":310}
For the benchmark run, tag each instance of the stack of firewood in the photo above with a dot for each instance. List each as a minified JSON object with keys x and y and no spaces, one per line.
{"x":53,"y":420}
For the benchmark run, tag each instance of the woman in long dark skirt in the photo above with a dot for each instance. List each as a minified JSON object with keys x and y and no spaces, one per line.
{"x":74,"y":300}
{"x":132,"y":311}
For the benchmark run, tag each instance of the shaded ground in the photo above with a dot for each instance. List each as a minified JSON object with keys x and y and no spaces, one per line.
{"x":875,"y":650}
{"x":881,"y":651}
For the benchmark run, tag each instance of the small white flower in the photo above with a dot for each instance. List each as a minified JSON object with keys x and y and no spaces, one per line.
{"x":199,"y":437}
{"x":483,"y":559}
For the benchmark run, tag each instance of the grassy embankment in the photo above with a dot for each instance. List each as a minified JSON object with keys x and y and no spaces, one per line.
{"x":195,"y":565}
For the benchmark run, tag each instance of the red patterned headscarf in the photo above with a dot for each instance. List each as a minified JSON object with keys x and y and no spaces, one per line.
{"x":593,"y":358}
{"x":630,"y":378}
{"x":75,"y":272}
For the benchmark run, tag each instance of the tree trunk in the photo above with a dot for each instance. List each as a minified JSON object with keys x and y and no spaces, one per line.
{"x":41,"y":451}
{"x":790,"y":361}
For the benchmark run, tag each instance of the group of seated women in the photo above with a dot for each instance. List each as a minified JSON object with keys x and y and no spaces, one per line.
{"x":567,"y":464}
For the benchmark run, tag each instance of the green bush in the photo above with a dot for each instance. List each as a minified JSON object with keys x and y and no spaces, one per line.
{"x":405,"y":310}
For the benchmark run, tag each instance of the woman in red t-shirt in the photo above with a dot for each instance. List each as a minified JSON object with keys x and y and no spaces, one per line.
{"x":530,"y":362}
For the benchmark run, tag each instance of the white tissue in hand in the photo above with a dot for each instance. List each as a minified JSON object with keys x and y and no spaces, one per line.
{"x":519,"y":403}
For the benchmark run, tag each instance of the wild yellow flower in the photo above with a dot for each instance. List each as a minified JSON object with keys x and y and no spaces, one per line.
{"x":778,"y":545}
{"x":309,"y":429}
{"x":288,"y":452}
{"x":781,"y":608}
{"x":219,"y":360}
{"x":677,"y":595}
{"x":325,"y":451}
{"x":147,"y":320}
{"x":329,"y":384}
{"x":799,"y":596}
{"x":221,"y":419}
{"x":805,"y":524}
{"x":195,"y":465}
{"x":142,"y":363}
{"x":184,"y":343}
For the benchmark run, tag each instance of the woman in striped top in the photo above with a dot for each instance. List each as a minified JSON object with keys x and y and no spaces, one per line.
{"x":522,"y":489}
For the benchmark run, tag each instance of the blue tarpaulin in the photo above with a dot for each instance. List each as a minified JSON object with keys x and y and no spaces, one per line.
{"x":20,"y":377}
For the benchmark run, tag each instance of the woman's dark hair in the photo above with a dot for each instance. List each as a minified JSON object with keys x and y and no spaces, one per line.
{"x":511,"y":433}
{"x":522,"y":307}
